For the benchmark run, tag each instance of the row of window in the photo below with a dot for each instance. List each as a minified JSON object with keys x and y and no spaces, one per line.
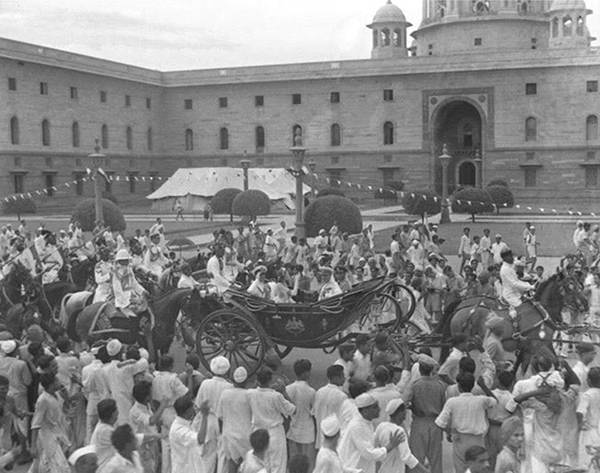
{"x":15,"y":137}
{"x":590,"y":176}
{"x":259,"y":100}
{"x":74,"y":93}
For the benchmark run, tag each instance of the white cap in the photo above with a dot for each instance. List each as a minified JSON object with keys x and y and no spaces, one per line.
{"x":144,"y":354}
{"x":365,"y":400}
{"x":240,"y":375}
{"x":113,"y":347}
{"x":330,"y":426}
{"x":393,"y":406}
{"x":415,"y":242}
{"x":122,"y":255}
{"x":498,"y":235}
{"x":81,"y":452}
{"x":579,"y":223}
{"x":219,"y":365}
{"x":8,"y":346}
{"x":141,"y":365}
{"x":322,"y":232}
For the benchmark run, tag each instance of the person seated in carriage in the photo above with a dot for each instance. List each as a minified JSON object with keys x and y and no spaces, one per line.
{"x":330,"y":287}
{"x":215,"y":269}
{"x":103,"y":276}
{"x":260,"y":287}
{"x":51,"y":260}
{"x":130,"y":298}
{"x":154,"y":260}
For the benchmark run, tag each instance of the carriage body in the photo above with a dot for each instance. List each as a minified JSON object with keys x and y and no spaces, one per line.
{"x":248,"y":326}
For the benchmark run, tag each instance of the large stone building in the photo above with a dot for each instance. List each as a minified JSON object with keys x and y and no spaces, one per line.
{"x":510,"y":86}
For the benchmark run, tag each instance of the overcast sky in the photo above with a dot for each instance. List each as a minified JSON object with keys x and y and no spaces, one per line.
{"x":196,"y":34}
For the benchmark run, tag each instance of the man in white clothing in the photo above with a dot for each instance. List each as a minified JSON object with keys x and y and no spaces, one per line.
{"x":186,"y":443}
{"x":464,"y":249}
{"x":485,"y":247}
{"x":512,"y":287}
{"x":357,"y":447}
{"x":586,"y":353}
{"x":269,"y":407}
{"x":214,"y":267}
{"x":329,"y":399}
{"x":328,"y":460}
{"x":497,"y":248}
{"x":401,"y":456}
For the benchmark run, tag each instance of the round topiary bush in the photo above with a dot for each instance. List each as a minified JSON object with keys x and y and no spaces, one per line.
{"x":85,"y":214}
{"x":422,"y":202}
{"x":222,"y":201}
{"x":331,"y":191}
{"x":251,"y":203}
{"x":472,"y":201}
{"x":332,"y":210}
{"x":498,"y":182}
{"x":501,"y":196}
{"x":19,"y":207}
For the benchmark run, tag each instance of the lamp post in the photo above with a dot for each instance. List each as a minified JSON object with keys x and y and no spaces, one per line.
{"x":97,"y":159}
{"x":312,"y":166}
{"x":245,"y":163}
{"x":478,"y":174}
{"x":298,"y":152}
{"x":445,"y":160}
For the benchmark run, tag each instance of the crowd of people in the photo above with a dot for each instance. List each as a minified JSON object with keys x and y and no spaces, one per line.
{"x":385,"y":407}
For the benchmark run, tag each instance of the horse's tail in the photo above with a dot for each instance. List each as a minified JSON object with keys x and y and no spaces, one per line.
{"x":63,"y":315}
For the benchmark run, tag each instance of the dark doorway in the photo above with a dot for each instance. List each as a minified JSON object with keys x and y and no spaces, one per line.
{"x":466,"y":174}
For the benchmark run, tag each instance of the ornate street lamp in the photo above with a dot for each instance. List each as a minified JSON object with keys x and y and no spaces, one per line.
{"x":478,"y":174}
{"x":298,"y":152}
{"x":245,"y":163}
{"x":312,"y":166}
{"x":97,"y":160}
{"x":445,"y":160}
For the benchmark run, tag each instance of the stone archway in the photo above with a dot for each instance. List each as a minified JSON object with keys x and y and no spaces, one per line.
{"x":458,"y":124}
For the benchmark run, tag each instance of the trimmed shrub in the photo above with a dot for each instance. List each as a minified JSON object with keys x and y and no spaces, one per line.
{"x":501,"y":196}
{"x":251,"y":203}
{"x":472,"y":201}
{"x":85,"y":214}
{"x":330,"y":191}
{"x":422,"y":202}
{"x":332,"y":210}
{"x":498,"y":182}
{"x":222,"y":201}
{"x":19,"y":207}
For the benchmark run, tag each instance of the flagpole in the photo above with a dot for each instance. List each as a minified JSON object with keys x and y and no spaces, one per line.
{"x":97,"y":159}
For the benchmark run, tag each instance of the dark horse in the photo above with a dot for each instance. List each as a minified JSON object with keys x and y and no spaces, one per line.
{"x":536,"y":320}
{"x":166,"y":308}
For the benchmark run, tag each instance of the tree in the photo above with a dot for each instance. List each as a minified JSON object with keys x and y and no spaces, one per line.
{"x":472,"y":201}
{"x":330,"y":191}
{"x":498,"y":182}
{"x":332,"y":210}
{"x":251,"y":203}
{"x":85,"y":214}
{"x":421,"y":203}
{"x":19,"y":207}
{"x":501,"y":196}
{"x":222,"y":201}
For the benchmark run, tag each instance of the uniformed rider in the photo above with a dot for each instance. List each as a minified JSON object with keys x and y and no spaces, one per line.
{"x":51,"y":259}
{"x":154,"y":260}
{"x":513,"y":288}
{"x":130,"y":296}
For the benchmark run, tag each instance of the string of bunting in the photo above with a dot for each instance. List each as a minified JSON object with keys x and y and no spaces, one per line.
{"x":401,"y":194}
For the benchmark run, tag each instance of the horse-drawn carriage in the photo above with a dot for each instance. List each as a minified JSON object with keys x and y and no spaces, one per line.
{"x":246,"y":326}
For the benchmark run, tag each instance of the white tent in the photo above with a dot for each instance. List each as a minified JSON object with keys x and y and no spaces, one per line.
{"x":195,"y":187}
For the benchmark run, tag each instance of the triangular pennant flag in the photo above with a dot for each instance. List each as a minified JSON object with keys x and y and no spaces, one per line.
{"x":401,"y":194}
{"x":541,"y":210}
{"x":554,"y":210}
{"x":359,"y":186}
{"x":29,"y":195}
{"x":435,"y":199}
{"x":592,"y":214}
{"x":424,"y":197}
{"x":118,"y":177}
{"x":570,"y":212}
{"x":339,"y":183}
{"x":579,"y":213}
{"x":328,"y":180}
{"x":38,"y":192}
{"x":459,"y":202}
{"x":468,"y":202}
{"x":412,"y":194}
{"x":517,"y":206}
{"x":67,"y":184}
{"x":529,"y":208}
{"x":349,"y":184}
{"x":144,"y":178}
{"x":505,"y":204}
{"x":54,"y":188}
{"x":370,"y":188}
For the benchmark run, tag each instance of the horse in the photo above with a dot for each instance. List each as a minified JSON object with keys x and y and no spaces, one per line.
{"x":83,"y":325}
{"x":537,"y":319}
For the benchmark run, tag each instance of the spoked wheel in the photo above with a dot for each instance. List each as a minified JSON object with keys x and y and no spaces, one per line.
{"x":233,"y":335}
{"x":406,"y":300}
{"x":382,"y":312}
{"x":410,"y":330}
{"x":282,"y":352}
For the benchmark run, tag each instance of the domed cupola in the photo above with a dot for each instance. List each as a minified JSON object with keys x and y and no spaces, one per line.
{"x":568,"y":28}
{"x":389,"y":27}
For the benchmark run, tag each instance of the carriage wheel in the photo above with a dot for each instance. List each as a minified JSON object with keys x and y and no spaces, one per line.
{"x":406,"y":299}
{"x":410,"y":330}
{"x":233,"y":335}
{"x":382,"y":312}
{"x":282,"y":353}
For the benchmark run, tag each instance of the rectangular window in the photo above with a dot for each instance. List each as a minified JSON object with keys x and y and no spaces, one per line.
{"x":430,"y":48}
{"x":478,"y":42}
{"x":74,"y":93}
{"x":188,"y":104}
{"x":148,"y":103}
{"x":335,"y":97}
{"x":49,"y":184}
{"x":591,"y":86}
{"x":531,"y":88}
{"x":530,"y":177}
{"x":222,"y":102}
{"x":128,"y":100}
{"x":530,"y":156}
{"x":591,"y":176}
{"x":103,"y":96}
{"x":388,"y":95}
{"x":43,"y":88}
{"x":533,"y":43}
{"x":79,"y":183}
{"x":259,"y":100}
{"x":18,"y":183}
{"x":296,"y":99}
{"x":590,"y":156}
{"x":12,"y":83}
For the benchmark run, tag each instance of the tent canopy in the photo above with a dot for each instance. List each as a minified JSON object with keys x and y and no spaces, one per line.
{"x":277,"y":183}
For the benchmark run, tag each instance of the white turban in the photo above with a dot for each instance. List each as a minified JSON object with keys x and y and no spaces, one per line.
{"x":144,"y":354}
{"x":8,"y":346}
{"x":240,"y":375}
{"x":113,"y":347}
{"x":365,"y":400}
{"x":330,"y":426}
{"x":219,"y":365}
{"x":81,"y":452}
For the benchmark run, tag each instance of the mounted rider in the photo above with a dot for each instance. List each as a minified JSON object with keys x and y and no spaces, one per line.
{"x":154,"y":260}
{"x":130,"y":298}
{"x":50,"y":258}
{"x":513,"y":288}
{"x":103,"y":276}
{"x":19,"y":253}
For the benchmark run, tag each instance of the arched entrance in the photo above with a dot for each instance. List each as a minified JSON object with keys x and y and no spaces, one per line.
{"x":467,"y":174}
{"x":458,"y":124}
